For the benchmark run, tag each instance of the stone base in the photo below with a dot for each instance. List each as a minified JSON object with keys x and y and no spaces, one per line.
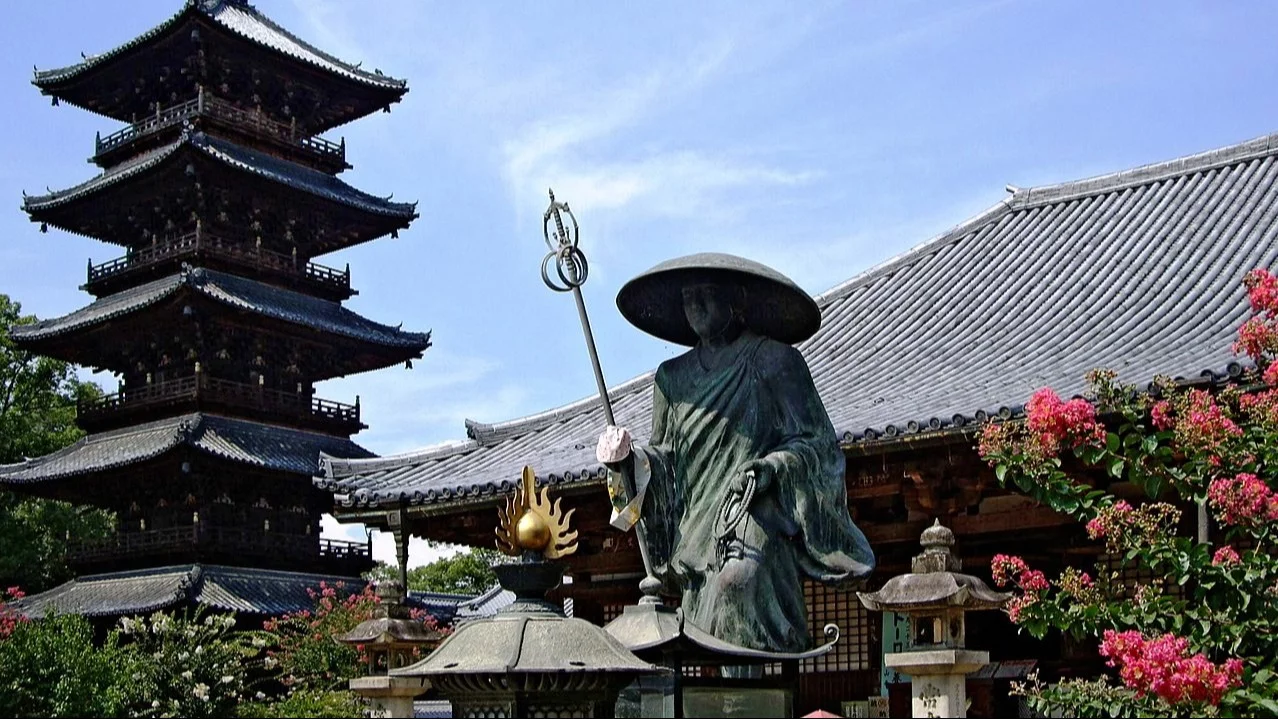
{"x":938,"y":678}
{"x":392,"y":697}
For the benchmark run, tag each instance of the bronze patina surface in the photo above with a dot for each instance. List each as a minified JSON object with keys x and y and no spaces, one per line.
{"x":746,"y":497}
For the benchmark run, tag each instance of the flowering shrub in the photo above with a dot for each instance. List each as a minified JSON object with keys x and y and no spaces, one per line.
{"x":1209,"y":646}
{"x":9,"y":618}
{"x":196,"y":666}
{"x":311,"y":665}
{"x":301,"y":646}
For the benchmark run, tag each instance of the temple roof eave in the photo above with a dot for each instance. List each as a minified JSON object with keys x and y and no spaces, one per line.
{"x":249,"y":443}
{"x":240,"y":20}
{"x":231,"y":155}
{"x":237,"y":292}
{"x":222,"y":588}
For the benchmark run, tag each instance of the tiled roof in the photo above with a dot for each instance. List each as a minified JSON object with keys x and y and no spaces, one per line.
{"x":238,"y":292}
{"x":260,"y":445}
{"x":320,"y":184}
{"x":237,"y":589}
{"x":1139,"y":271}
{"x":486,"y":604}
{"x":462,"y":607}
{"x":244,"y":20}
{"x":441,"y":605}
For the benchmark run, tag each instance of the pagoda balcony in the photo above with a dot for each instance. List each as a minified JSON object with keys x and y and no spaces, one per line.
{"x":208,"y":543}
{"x":223,"y":252}
{"x":207,"y":109}
{"x":201,"y":392}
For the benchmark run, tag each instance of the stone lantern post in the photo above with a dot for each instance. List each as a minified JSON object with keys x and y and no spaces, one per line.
{"x":390,"y":639}
{"x":530,"y":660}
{"x":935,"y":598}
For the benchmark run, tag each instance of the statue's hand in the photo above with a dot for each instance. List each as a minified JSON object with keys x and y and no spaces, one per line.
{"x":614,"y":445}
{"x":761,"y":469}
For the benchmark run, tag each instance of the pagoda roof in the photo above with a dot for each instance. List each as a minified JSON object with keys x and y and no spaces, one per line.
{"x":240,"y":20}
{"x":235,"y":440}
{"x":235,"y":292}
{"x":291,"y":174}
{"x":233,"y":589}
{"x":1139,"y":271}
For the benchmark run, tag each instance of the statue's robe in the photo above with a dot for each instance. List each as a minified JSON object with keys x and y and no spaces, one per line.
{"x":757,"y":401}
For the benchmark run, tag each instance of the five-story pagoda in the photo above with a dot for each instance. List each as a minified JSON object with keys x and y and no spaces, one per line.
{"x":216,"y":321}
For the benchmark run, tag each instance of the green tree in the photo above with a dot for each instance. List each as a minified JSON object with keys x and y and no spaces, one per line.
{"x":467,"y":572}
{"x":38,"y":397}
{"x":53,"y":668}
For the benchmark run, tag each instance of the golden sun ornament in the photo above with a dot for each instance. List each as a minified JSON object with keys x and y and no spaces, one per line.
{"x":530,"y":523}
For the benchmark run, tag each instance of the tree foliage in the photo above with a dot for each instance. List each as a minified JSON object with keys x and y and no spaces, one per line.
{"x":467,"y":572}
{"x":53,"y":668}
{"x":1201,"y":638}
{"x":38,"y":398}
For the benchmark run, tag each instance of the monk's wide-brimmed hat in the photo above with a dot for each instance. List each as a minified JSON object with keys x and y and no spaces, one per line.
{"x":775,"y":306}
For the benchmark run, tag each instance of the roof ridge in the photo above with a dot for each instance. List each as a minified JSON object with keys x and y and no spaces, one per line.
{"x":354,"y":69}
{"x":480,"y":431}
{"x":1027,"y":198}
{"x":447,"y":448}
{"x":891,"y":264}
{"x":211,"y":10}
{"x":1145,"y":174}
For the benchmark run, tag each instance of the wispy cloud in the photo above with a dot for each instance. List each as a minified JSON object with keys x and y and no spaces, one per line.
{"x":411,"y":409}
{"x":326,"y":24}
{"x":577,"y":150}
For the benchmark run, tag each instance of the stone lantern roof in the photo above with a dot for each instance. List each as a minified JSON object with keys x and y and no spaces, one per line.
{"x":529,"y":657}
{"x":934,"y":581}
{"x":391,"y":623}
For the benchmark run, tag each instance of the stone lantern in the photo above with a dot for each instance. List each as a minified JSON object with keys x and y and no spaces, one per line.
{"x":390,"y":639}
{"x":529,"y":660}
{"x":935,"y":598}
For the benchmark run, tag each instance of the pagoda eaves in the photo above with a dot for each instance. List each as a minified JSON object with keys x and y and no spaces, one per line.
{"x":95,"y":335}
{"x":217,"y":43}
{"x":315,"y":212}
{"x":216,"y":322}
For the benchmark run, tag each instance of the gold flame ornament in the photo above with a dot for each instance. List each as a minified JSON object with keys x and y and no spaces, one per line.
{"x":530,"y":523}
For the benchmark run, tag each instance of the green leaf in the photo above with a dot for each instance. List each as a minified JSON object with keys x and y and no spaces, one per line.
{"x":1116,"y":468}
{"x":1000,"y":471}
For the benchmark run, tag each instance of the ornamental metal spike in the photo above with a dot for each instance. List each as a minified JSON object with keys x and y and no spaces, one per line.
{"x":571,"y":271}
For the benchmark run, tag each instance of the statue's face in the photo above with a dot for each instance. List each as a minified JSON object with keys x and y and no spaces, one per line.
{"x":708,"y":308}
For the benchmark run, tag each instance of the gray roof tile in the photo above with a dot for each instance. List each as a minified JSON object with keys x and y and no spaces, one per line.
{"x":241,"y":293}
{"x":320,"y":184}
{"x":260,"y":445}
{"x":244,"y":20}
{"x":1139,"y":271}
{"x":244,"y":590}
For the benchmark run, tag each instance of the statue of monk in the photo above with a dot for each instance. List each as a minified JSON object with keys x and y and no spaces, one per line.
{"x":745,"y":493}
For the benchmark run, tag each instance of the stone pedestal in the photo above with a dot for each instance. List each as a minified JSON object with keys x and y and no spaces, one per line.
{"x":392,"y":697}
{"x":938,"y":678}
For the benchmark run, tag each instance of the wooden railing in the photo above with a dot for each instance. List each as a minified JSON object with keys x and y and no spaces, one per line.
{"x":213,"y":107}
{"x":233,"y":540}
{"x":244,"y":252}
{"x":234,"y":394}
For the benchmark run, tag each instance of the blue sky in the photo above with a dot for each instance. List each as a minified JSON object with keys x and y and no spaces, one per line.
{"x":819,"y":137}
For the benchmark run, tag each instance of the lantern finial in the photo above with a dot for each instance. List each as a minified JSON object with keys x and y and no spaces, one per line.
{"x":531,"y":524}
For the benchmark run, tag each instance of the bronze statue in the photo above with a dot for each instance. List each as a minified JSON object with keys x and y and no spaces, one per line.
{"x":744,"y":494}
